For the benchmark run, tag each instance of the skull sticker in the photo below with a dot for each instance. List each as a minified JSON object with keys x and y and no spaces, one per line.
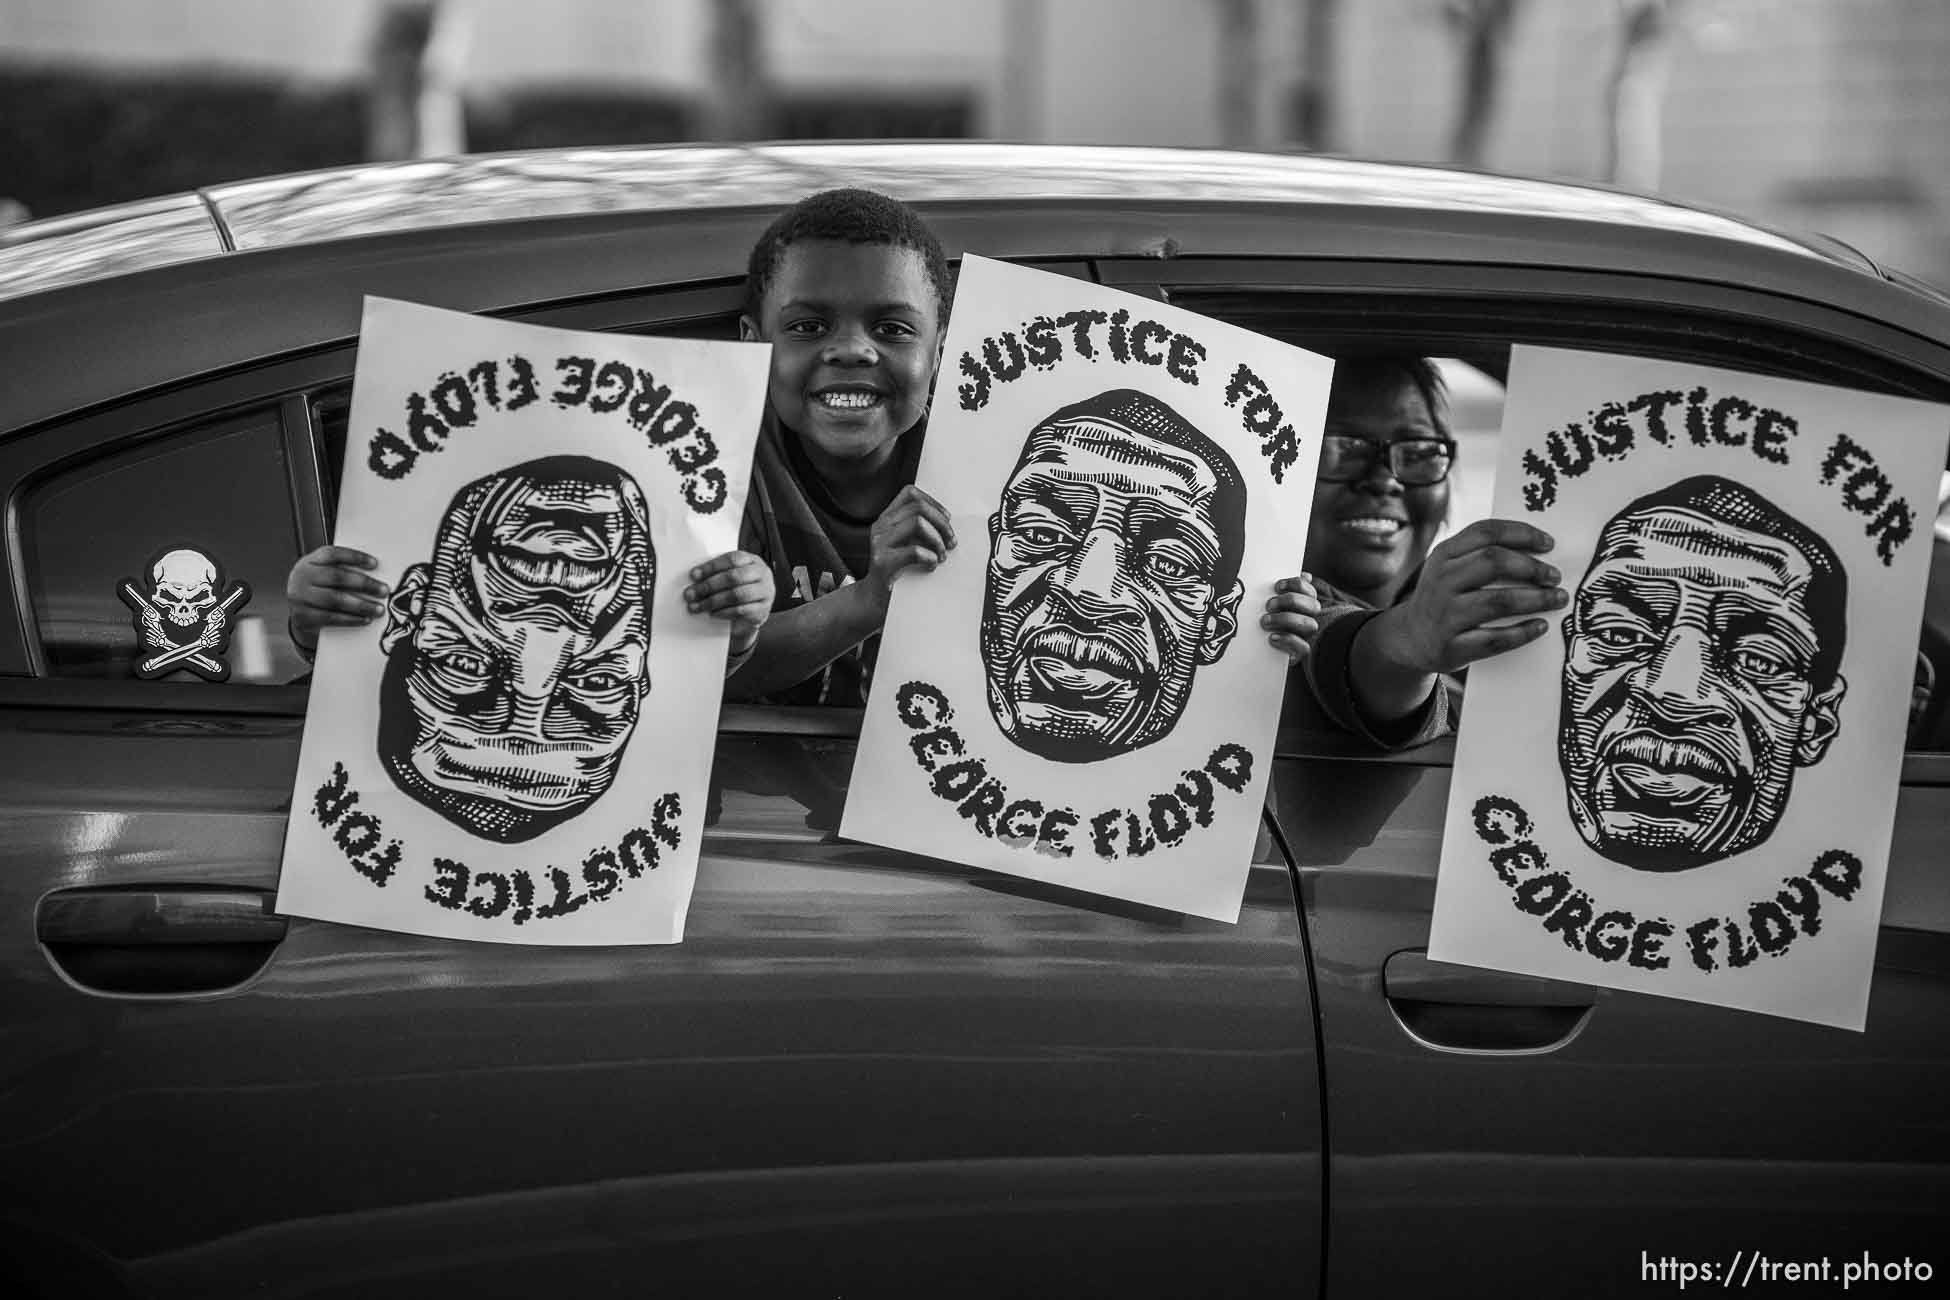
{"x":181,"y":624}
{"x":185,"y":585}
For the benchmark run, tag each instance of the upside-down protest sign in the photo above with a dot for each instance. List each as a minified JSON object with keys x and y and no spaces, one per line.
{"x":1687,"y":786}
{"x":1080,"y":694}
{"x":518,"y":749}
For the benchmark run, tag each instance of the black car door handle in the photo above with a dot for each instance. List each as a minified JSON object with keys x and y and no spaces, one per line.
{"x":1466,"y":1008}
{"x":159,"y":940}
{"x":182,"y":915}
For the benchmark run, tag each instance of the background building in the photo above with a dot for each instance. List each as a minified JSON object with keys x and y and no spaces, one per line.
{"x":1822,"y":114}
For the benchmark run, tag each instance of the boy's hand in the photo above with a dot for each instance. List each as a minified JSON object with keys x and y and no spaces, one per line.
{"x":328,"y":588}
{"x":1291,"y":617}
{"x":913,"y":532}
{"x":737,"y":587}
{"x":1487,"y":572}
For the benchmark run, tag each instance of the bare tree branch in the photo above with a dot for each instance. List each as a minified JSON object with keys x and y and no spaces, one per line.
{"x":1635,"y":91}
{"x":738,"y":102}
{"x":1238,"y":73}
{"x":415,"y":108}
{"x":1315,"y":120}
{"x":1482,"y":28}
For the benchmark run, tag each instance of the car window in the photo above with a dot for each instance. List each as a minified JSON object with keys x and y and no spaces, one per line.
{"x":1471,"y":339}
{"x":142,"y":515}
{"x":331,"y":415}
{"x":1929,"y":718}
{"x":1475,"y":419}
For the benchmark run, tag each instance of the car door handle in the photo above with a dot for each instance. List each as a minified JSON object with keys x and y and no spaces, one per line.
{"x":180,"y":939}
{"x":182,"y":915}
{"x":1468,"y":1009}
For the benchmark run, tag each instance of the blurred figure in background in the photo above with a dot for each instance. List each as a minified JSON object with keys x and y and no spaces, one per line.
{"x":419,"y":48}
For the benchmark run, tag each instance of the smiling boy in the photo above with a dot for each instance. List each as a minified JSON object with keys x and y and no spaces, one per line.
{"x":851,"y":290}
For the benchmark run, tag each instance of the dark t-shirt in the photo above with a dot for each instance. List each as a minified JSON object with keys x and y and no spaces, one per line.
{"x":813,"y":546}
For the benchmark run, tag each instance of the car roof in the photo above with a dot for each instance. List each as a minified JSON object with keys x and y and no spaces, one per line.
{"x":349,"y":202}
{"x":291,"y":255}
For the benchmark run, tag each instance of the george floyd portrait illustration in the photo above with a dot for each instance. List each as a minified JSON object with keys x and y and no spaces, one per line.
{"x":518,"y":655}
{"x":1702,"y":655}
{"x":1076,"y":694}
{"x":486,"y":758}
{"x":1688,"y":788}
{"x":1113,"y":577}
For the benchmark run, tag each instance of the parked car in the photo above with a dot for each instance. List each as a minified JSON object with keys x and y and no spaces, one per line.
{"x":862,"y":1072}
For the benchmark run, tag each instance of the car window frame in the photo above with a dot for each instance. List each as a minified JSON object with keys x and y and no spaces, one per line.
{"x":32,"y":456}
{"x":1368,"y":301}
{"x":293,"y":383}
{"x":289,"y":386}
{"x":1365,"y":290}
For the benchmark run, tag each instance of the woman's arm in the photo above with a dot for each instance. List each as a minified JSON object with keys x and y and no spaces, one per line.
{"x":1461,"y":611}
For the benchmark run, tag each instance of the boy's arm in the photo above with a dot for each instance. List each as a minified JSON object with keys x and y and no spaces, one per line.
{"x":913,"y":532}
{"x":796,"y":643}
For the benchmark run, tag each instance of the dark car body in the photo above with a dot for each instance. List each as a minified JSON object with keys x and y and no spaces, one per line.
{"x":862,"y":1072}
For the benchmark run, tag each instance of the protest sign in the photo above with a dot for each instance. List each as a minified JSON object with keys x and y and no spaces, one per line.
{"x":518,"y":748}
{"x":1687,"y":785}
{"x":1081,"y":693}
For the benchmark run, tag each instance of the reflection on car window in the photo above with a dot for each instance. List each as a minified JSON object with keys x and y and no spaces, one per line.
{"x":219,"y":491}
{"x":1475,"y":419}
{"x":1929,"y":713}
{"x":331,"y":414}
{"x":1471,"y":338}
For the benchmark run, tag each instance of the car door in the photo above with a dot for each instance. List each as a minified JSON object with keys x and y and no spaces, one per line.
{"x":1532,"y":1137}
{"x":862,"y":1072}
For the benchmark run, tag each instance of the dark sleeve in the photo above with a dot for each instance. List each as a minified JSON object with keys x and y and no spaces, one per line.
{"x":758,"y":532}
{"x":1332,"y":687}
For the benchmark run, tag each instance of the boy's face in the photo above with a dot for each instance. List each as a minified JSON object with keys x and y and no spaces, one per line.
{"x":856,"y":340}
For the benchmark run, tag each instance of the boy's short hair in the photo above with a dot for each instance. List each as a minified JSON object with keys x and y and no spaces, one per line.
{"x":851,"y":216}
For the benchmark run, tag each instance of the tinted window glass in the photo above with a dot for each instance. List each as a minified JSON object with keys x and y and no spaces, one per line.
{"x":1929,"y":716}
{"x":1471,"y":338}
{"x":220,"y":490}
{"x":331,"y":415}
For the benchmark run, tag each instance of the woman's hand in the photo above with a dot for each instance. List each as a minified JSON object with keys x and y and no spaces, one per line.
{"x":1471,"y":588}
{"x":1292,"y":616}
{"x":330,"y":588}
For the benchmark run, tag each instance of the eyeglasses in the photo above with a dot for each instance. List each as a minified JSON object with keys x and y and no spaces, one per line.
{"x":1417,"y":462}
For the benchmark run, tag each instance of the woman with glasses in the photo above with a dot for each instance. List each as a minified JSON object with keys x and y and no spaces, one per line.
{"x":1380,"y":620}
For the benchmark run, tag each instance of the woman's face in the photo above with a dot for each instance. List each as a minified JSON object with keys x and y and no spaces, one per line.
{"x":1368,"y":535}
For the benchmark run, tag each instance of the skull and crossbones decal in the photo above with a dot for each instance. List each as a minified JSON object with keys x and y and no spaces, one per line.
{"x":180,"y":621}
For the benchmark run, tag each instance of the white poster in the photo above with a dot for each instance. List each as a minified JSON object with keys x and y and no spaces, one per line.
{"x":518,"y":748}
{"x":1687,"y":786}
{"x":1081,"y":693}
